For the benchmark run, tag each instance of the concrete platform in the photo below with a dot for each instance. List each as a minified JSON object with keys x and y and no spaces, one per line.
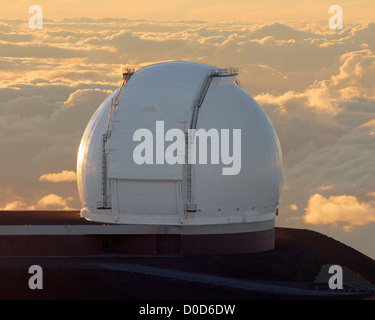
{"x":65,"y":233}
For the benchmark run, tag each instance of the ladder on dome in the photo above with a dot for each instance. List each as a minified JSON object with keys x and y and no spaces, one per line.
{"x":106,"y":202}
{"x":198,"y":101}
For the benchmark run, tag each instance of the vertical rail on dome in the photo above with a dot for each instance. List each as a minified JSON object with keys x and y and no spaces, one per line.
{"x":198,"y":101}
{"x":106,"y":202}
{"x":192,"y":207}
{"x":126,"y":75}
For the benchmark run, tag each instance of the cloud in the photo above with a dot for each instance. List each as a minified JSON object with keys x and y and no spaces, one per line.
{"x":9,"y":200}
{"x":357,"y":72}
{"x":81,"y":96}
{"x":13,"y":201}
{"x":15,"y":205}
{"x":63,"y":176}
{"x":345,"y":209}
{"x":52,"y":201}
{"x":4,"y":27}
{"x":323,"y":188}
{"x":293,"y":207}
{"x":40,"y":130}
{"x":354,"y":80}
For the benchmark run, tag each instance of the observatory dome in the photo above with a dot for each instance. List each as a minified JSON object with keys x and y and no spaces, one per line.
{"x":180,"y":147}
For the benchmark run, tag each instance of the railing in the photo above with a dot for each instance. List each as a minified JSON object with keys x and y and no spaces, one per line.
{"x":106,"y":204}
{"x":198,"y":101}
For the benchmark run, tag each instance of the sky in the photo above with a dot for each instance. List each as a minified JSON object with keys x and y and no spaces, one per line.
{"x":207,"y":10}
{"x":316,"y":84}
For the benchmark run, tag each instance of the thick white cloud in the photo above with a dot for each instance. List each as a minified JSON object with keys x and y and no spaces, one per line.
{"x":63,"y":176}
{"x":344,"y":209}
{"x":53,"y":202}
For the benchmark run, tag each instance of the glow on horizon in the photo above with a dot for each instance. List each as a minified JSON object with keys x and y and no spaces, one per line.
{"x":208,"y":10}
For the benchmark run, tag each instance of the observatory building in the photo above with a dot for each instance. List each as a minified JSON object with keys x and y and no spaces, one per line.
{"x":181,"y":154}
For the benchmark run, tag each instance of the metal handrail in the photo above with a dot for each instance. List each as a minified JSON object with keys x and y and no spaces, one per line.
{"x":126,"y":75}
{"x":198,"y":101}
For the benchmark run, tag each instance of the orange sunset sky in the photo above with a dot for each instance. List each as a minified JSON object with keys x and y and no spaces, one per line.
{"x":208,"y":10}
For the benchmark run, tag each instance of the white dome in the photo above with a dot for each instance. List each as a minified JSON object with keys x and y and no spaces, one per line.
{"x":239,"y":187}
